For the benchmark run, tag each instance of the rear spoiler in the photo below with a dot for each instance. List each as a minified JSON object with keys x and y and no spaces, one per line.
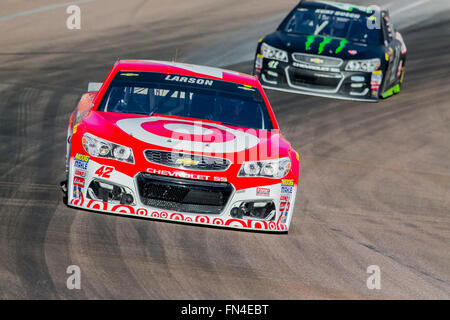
{"x":94,"y":86}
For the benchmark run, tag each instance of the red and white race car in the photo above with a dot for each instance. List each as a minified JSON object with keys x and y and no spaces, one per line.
{"x":184,"y":143}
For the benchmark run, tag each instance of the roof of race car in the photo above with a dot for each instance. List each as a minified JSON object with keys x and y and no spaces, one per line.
{"x":186,"y":70}
{"x":339,"y":6}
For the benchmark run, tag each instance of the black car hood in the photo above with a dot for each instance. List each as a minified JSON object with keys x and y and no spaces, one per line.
{"x":326,"y":46}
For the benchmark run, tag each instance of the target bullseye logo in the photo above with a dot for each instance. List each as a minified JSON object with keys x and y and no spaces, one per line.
{"x":188,"y":135}
{"x":186,"y":128}
{"x":197,"y":131}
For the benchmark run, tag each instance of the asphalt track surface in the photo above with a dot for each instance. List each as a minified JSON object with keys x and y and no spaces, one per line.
{"x":374,"y":182}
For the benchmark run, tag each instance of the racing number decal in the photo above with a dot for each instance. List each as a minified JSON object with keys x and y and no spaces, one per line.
{"x":104,"y":172}
{"x":273,"y":64}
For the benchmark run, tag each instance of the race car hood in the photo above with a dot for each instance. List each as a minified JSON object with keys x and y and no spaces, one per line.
{"x":326,"y":46}
{"x":187,"y":135}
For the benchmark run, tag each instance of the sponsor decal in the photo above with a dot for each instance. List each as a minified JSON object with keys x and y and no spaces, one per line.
{"x":258,"y":63}
{"x":283,"y":218}
{"x":82,"y":157}
{"x":181,"y":174}
{"x":315,"y":68}
{"x":284,"y":206}
{"x":389,"y":54}
{"x":263,"y":192}
{"x":375,"y":82}
{"x":77,"y":192}
{"x":284,"y":198}
{"x":286,"y":189}
{"x":343,"y":6}
{"x":75,"y":128}
{"x":287,"y":182}
{"x":81,"y":164}
{"x":80,"y":173}
{"x":81,"y":161}
{"x":353,"y":52}
{"x":192,"y":80}
{"x":77,"y":181}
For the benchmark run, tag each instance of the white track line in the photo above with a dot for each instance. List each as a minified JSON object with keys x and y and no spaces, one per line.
{"x":388,"y":5}
{"x":409,"y":7}
{"x":42,"y":9}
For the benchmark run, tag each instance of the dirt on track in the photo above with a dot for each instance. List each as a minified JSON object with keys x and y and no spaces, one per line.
{"x":374,"y":181}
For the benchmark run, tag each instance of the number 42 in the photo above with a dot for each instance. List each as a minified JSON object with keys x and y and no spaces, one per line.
{"x":104,"y":171}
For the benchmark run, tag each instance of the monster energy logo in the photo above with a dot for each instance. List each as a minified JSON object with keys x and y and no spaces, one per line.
{"x":342,"y":45}
{"x":326,"y":40}
{"x":322,"y":45}
{"x":309,"y":42}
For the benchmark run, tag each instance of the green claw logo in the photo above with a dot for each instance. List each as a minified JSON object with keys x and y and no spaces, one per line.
{"x":323,"y":44}
{"x":342,"y":45}
{"x":309,"y":42}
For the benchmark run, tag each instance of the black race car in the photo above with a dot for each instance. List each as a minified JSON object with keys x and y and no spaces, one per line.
{"x":334,"y":50}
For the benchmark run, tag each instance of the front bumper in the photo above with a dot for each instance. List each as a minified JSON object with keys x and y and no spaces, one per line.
{"x":313,"y":80}
{"x":182,"y":200}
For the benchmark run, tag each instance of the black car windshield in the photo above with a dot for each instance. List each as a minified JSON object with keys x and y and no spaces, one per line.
{"x":352,"y":26}
{"x":151,"y":93}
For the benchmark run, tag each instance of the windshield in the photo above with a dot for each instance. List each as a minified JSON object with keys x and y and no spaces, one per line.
{"x":333,"y":23}
{"x":151,"y":93}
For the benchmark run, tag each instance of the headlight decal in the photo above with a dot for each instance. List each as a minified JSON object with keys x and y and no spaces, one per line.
{"x":102,"y":148}
{"x":368,"y":65}
{"x":277,"y":168}
{"x":273,"y":53}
